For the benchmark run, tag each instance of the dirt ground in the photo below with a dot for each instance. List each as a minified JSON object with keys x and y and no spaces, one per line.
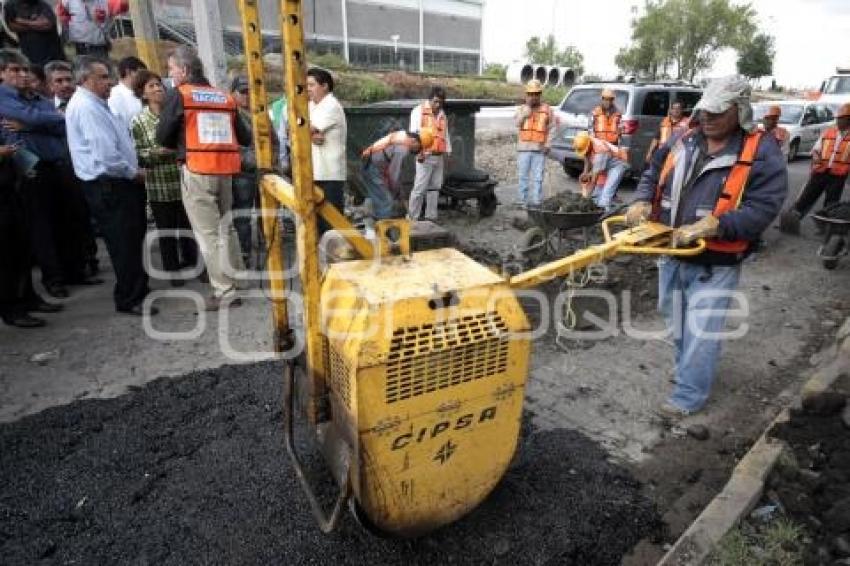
{"x":209,"y":439}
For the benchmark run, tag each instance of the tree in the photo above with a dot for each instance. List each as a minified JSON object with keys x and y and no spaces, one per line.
{"x":547,"y":52}
{"x":685,"y":34}
{"x":755,"y":59}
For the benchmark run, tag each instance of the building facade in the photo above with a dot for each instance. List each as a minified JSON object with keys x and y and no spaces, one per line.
{"x":442,"y":36}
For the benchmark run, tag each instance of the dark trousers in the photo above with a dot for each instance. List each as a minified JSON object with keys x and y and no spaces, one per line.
{"x":334,"y":194}
{"x":79,"y":220}
{"x":244,"y":200}
{"x":16,"y":292}
{"x":820,"y":183}
{"x":118,"y":205}
{"x":176,"y":252}
{"x":56,"y":222}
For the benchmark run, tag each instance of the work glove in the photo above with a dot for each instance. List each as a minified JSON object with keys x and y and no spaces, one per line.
{"x":683,"y":236}
{"x":638,"y":212}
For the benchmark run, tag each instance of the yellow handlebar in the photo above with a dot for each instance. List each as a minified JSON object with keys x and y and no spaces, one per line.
{"x":638,"y":233}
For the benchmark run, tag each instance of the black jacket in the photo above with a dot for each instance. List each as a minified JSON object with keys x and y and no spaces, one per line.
{"x":171,"y":130}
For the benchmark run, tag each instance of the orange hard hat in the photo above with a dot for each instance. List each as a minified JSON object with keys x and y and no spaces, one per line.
{"x":581,"y":143}
{"x":773,"y":111}
{"x":426,"y":138}
{"x":843,"y":110}
{"x":607,"y":93}
{"x":533,"y":87}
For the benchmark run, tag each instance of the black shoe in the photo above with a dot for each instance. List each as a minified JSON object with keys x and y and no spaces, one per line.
{"x":42,"y":306}
{"x":24,"y":321}
{"x":56,"y":290}
{"x":137,"y":310}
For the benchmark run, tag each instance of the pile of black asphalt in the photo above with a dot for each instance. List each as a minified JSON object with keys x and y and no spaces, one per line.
{"x":193,"y":470}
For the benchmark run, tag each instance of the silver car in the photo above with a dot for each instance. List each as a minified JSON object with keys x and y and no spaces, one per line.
{"x":643,"y":106}
{"x":804,"y":120}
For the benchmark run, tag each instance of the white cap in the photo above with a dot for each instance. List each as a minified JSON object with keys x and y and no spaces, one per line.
{"x":722,"y":93}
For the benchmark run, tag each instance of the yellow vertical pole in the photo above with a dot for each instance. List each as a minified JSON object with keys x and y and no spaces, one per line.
{"x":145,"y":34}
{"x":252,"y":38}
{"x":294,"y":60}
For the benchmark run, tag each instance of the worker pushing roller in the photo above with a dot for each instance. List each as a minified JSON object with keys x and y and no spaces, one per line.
{"x":413,"y":367}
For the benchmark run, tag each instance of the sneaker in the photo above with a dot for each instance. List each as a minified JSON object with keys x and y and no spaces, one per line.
{"x":670,"y":411}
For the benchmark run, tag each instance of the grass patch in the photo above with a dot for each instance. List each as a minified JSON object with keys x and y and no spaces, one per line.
{"x":778,"y":543}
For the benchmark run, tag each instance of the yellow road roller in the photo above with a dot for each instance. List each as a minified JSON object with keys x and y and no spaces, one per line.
{"x":412,"y":365}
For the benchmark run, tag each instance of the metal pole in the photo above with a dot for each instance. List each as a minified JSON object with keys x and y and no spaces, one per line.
{"x":481,"y":39}
{"x":210,"y":38}
{"x":145,"y":33}
{"x":344,"y":30}
{"x":295,"y":64}
{"x":421,"y":36}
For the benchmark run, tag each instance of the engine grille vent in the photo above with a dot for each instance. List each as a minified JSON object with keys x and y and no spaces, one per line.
{"x":430,"y":357}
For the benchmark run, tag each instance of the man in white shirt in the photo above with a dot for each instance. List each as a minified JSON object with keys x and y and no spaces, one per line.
{"x":328,"y":130}
{"x":122,"y":101}
{"x":104,"y":159}
{"x":430,"y":163}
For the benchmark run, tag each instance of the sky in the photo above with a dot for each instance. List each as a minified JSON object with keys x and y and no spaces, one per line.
{"x":811,"y":35}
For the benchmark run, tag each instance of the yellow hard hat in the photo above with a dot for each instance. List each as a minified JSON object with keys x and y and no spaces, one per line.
{"x":426,"y":137}
{"x":843,"y":111}
{"x":773,"y":111}
{"x":581,"y":143}
{"x":607,"y":93}
{"x":533,"y":87}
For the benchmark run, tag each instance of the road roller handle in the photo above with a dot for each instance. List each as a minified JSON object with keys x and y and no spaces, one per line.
{"x":649,"y":238}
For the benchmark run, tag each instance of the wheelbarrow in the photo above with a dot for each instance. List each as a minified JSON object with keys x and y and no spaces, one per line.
{"x":471,"y":184}
{"x":546,"y":239}
{"x":835,"y":239}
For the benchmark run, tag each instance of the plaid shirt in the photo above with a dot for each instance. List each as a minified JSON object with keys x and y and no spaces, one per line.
{"x":162,"y":180}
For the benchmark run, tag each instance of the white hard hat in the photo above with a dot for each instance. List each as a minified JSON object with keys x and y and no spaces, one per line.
{"x":722,"y":93}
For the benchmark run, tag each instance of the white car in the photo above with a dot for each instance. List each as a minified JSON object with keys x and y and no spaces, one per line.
{"x":805,"y":121}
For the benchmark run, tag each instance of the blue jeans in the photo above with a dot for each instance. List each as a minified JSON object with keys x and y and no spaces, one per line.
{"x":604,"y":198}
{"x":530,"y":164}
{"x":694,"y":300}
{"x":378,"y":192}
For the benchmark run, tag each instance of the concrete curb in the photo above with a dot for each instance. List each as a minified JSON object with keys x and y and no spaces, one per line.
{"x":746,"y":485}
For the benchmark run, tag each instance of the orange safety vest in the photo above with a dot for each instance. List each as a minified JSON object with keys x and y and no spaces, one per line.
{"x":841,"y":164}
{"x":606,"y":126}
{"x":437,"y":125}
{"x":210,"y":117}
{"x":668,"y":127}
{"x":535,"y":128}
{"x":386,"y":141}
{"x":730,"y":197}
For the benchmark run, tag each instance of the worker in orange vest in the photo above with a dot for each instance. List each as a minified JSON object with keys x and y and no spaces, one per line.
{"x":672,"y":126}
{"x":770,"y":124}
{"x":830,"y":168}
{"x":605,"y":119}
{"x":200,"y":122}
{"x":722,"y":182}
{"x":604,"y":166}
{"x":430,"y":164}
{"x":382,"y":163}
{"x":534,"y":119}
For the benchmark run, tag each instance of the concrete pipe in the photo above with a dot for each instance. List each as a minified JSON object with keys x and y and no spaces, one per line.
{"x":553,"y":77}
{"x":519,"y":73}
{"x":541,"y":73}
{"x":568,"y":76}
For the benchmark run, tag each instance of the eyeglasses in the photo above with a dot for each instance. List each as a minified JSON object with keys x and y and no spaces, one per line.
{"x":607,"y":98}
{"x":16,"y":69}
